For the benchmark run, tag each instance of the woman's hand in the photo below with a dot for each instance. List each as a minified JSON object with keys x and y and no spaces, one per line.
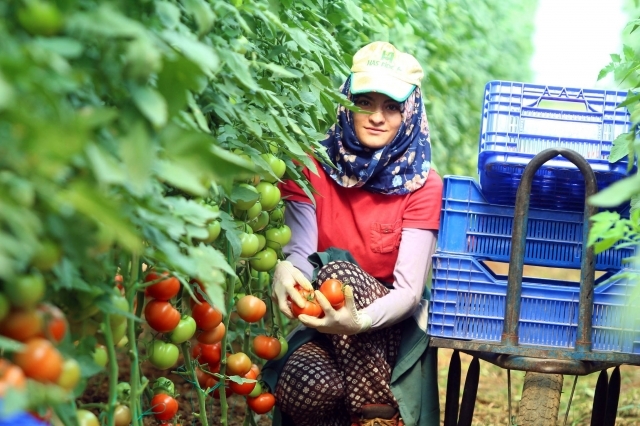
{"x":285,"y":277}
{"x":346,"y":320}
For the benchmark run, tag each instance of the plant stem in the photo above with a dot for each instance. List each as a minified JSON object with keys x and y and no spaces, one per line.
{"x":132,"y":292}
{"x":113,"y":368}
{"x":202,"y":402}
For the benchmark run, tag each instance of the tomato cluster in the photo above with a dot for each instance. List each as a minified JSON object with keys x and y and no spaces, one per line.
{"x":332,"y":289}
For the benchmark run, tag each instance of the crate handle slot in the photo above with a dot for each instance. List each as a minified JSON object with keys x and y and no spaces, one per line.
{"x":518,"y":240}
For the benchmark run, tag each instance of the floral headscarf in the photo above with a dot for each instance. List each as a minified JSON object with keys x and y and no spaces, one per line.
{"x":398,"y":168}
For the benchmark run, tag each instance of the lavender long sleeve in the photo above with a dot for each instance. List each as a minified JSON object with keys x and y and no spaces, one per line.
{"x":410,"y":272}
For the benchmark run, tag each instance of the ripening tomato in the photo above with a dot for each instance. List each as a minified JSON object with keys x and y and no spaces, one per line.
{"x":250,"y":308}
{"x":284,"y":347}
{"x":206,"y":316}
{"x":164,"y":289}
{"x":238,"y":364}
{"x":257,"y":390}
{"x":100,"y":355}
{"x":333,"y":290}
{"x":55,"y":322}
{"x":207,"y":354}
{"x":164,"y":407}
{"x":205,"y":380}
{"x":40,"y":360}
{"x":21,"y":324}
{"x":122,"y":415}
{"x":266,"y":347}
{"x":212,"y":336}
{"x":161,"y":316}
{"x":244,"y":388}
{"x":70,"y":375}
{"x":11,"y":377}
{"x":87,"y":418}
{"x":262,"y":404}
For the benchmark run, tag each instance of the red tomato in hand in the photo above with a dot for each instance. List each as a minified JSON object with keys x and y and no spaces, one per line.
{"x":206,"y":316}
{"x":250,"y":308}
{"x":161,"y":316}
{"x":164,"y":407}
{"x":311,"y":308}
{"x":332,"y":289}
{"x":164,"y":289}
{"x":262,"y":403}
{"x":266,"y":347}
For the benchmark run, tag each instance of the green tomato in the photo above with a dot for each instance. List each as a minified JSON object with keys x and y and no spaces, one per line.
{"x":5,"y":306}
{"x":259,"y":222}
{"x":70,"y":375}
{"x":26,"y":291}
{"x":163,"y":355}
{"x":249,"y":214}
{"x":87,"y":418}
{"x":277,"y":215}
{"x":214,"y":229}
{"x":284,"y":347}
{"x":249,"y":244}
{"x":100,"y":356}
{"x":184,"y":331}
{"x":46,"y":256}
{"x":278,"y":167}
{"x":269,"y":195}
{"x":250,"y":196}
{"x":278,"y":237}
{"x":264,"y":260}
{"x":257,"y":390}
{"x":40,"y":18}
{"x":261,"y":240}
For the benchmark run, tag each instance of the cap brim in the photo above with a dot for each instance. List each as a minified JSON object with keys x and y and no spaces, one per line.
{"x":365,"y":82}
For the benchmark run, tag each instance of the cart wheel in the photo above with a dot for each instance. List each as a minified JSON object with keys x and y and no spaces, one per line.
{"x":540,"y":399}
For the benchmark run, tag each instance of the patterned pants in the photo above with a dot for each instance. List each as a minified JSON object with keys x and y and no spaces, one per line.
{"x":326,"y":381}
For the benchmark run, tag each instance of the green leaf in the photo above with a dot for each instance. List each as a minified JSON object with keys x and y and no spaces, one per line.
{"x":354,"y":11}
{"x":202,"y":14}
{"x":10,"y":345}
{"x":6,"y":93}
{"x":616,"y":194}
{"x":181,"y":177}
{"x":280,"y":71}
{"x":137,"y":155}
{"x":151,"y":104}
{"x":169,"y":13}
{"x":197,"y":52}
{"x":64,"y":46}
{"x":105,"y":22}
{"x":106,"y":168}
{"x":622,"y":147}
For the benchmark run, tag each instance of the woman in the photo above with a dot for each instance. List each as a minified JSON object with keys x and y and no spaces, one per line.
{"x":381,"y":205}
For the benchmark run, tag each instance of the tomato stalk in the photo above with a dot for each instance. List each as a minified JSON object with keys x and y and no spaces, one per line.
{"x":132,"y":293}
{"x":202,"y":415}
{"x":113,"y":368}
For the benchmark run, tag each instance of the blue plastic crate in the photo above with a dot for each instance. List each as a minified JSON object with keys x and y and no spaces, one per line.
{"x":470,"y":225}
{"x":467,"y":302}
{"x":519,"y":120}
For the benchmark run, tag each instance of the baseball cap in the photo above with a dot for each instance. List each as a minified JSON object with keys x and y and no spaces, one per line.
{"x":380,"y":67}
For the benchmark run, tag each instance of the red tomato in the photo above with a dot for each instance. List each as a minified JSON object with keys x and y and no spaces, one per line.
{"x":266,"y":347}
{"x":250,"y":308}
{"x":244,"y":388}
{"x":40,"y":360}
{"x":164,"y":289}
{"x":255,"y":369}
{"x":21,"y":324}
{"x":207,"y":354}
{"x":238,"y":364}
{"x":262,"y":403}
{"x":11,"y":377}
{"x":206,"y":316}
{"x":205,"y":380}
{"x":161,"y":315}
{"x":311,"y":308}
{"x":332,"y":289}
{"x":212,"y":336}
{"x":164,"y":406}
{"x":55,"y":322}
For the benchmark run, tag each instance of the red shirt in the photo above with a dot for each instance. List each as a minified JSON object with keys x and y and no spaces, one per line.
{"x":367,"y":224}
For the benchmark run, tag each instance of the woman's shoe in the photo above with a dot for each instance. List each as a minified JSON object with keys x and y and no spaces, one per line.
{"x":379,"y":415}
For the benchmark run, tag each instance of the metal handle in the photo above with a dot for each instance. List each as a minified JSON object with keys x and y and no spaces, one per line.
{"x":518,"y":240}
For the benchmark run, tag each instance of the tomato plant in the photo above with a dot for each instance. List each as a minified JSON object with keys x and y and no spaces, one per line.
{"x":333,"y":290}
{"x":266,"y":347}
{"x":163,"y":355}
{"x":164,"y":289}
{"x":164,"y":407}
{"x":161,"y":316}
{"x":262,"y":403}
{"x":250,"y":308}
{"x":206,"y":316}
{"x":40,"y":360}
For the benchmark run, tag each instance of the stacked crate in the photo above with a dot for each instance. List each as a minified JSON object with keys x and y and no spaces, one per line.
{"x":467,"y":298}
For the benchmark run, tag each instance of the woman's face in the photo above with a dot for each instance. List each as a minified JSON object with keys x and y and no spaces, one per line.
{"x":377,"y":129}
